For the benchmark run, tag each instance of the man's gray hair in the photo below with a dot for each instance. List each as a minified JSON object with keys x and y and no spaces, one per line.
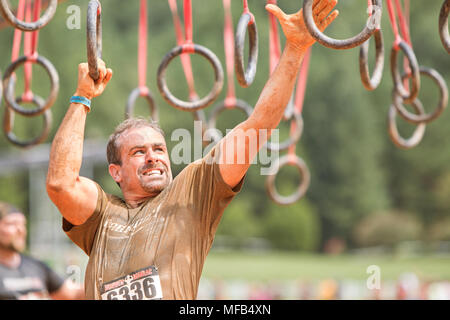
{"x":113,"y":148}
{"x":7,"y":208}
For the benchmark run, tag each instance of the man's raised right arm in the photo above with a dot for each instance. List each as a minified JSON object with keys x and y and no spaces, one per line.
{"x":74,"y":196}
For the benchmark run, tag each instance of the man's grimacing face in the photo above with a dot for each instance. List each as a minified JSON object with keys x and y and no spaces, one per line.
{"x":145,"y":170}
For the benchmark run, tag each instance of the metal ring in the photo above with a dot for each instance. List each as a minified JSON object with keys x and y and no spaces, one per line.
{"x":197,"y":104}
{"x":411,"y":95}
{"x":418,"y":134}
{"x":371,"y":83}
{"x":293,"y":138}
{"x":10,"y":85}
{"x":302,"y":188}
{"x":28,"y":26}
{"x":290,"y":108}
{"x":94,"y":37}
{"x":443,"y":25}
{"x":219,"y":108}
{"x":245,"y":78}
{"x":131,"y":102}
{"x":8,"y":125}
{"x":426,"y":117}
{"x":369,"y":29}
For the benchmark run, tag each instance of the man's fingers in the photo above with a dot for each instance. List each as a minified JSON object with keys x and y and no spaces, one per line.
{"x":317,"y":9}
{"x":316,"y":3}
{"x":275,"y":10}
{"x":100,"y":87}
{"x":101,"y":67}
{"x":100,"y":62}
{"x":101,"y":72}
{"x":325,"y":23}
{"x":325,"y":11}
{"x":83,"y":68}
{"x":319,"y":17}
{"x":108,"y":76}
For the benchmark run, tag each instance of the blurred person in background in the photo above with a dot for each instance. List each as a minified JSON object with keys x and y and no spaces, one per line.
{"x":23,"y":277}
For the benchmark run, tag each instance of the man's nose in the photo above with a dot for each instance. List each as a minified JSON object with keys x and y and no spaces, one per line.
{"x":151,"y":157}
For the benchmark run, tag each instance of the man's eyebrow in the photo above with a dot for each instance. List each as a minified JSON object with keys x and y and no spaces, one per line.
{"x":158,"y":144}
{"x":155,"y":144}
{"x":137,"y":147}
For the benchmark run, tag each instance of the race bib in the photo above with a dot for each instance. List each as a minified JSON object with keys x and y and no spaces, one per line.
{"x":143,"y":284}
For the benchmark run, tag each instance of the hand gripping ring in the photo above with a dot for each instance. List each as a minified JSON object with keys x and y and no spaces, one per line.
{"x":443,"y":25}
{"x":8,"y":125}
{"x":426,"y":117}
{"x":371,"y":83}
{"x":410,"y":96}
{"x":219,"y":108}
{"x":136,"y":93}
{"x":28,"y":26}
{"x":197,"y":104}
{"x":418,"y":134}
{"x":293,"y":138}
{"x":94,"y":37}
{"x":372,"y":24}
{"x":245,"y":78}
{"x":302,"y":188}
{"x":9,"y":86}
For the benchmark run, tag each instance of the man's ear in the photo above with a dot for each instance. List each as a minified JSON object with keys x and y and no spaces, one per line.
{"x":115,"y":172}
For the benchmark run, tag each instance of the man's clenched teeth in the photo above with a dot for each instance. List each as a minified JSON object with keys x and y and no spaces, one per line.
{"x":153,"y":172}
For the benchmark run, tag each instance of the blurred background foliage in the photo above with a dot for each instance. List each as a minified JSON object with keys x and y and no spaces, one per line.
{"x":364,"y":191}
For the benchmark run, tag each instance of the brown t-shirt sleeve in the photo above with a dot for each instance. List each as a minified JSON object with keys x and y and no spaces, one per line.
{"x":206,"y":189}
{"x":83,"y":235}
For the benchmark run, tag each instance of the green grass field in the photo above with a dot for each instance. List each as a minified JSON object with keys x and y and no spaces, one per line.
{"x":290,"y":266}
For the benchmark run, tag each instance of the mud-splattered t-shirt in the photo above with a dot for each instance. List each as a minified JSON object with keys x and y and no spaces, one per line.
{"x":157,"y":250}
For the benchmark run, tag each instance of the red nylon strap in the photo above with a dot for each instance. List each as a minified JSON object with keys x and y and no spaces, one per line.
{"x":176,"y":21}
{"x":403,"y":23}
{"x":30,"y":48}
{"x":142,"y":48}
{"x":245,"y":4}
{"x":247,"y":10}
{"x":274,"y":40}
{"x":407,"y":10}
{"x":35,"y":38}
{"x":188,"y":47}
{"x":406,"y":66}
{"x":228,"y":36}
{"x":393,"y":21}
{"x":27,"y":50}
{"x":24,"y":12}
{"x":31,"y":38}
{"x":302,"y":80}
{"x":185,"y":58}
{"x":300,"y":93}
{"x":403,"y":16}
{"x":17,"y":32}
{"x":404,"y":33}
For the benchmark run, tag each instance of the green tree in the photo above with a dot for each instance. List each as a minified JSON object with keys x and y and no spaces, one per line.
{"x":295,"y":227}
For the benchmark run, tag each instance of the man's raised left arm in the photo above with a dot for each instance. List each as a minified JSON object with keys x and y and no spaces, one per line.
{"x":269,"y":109}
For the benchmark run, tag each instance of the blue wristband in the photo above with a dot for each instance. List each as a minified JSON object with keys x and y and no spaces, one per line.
{"x":82,"y":100}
